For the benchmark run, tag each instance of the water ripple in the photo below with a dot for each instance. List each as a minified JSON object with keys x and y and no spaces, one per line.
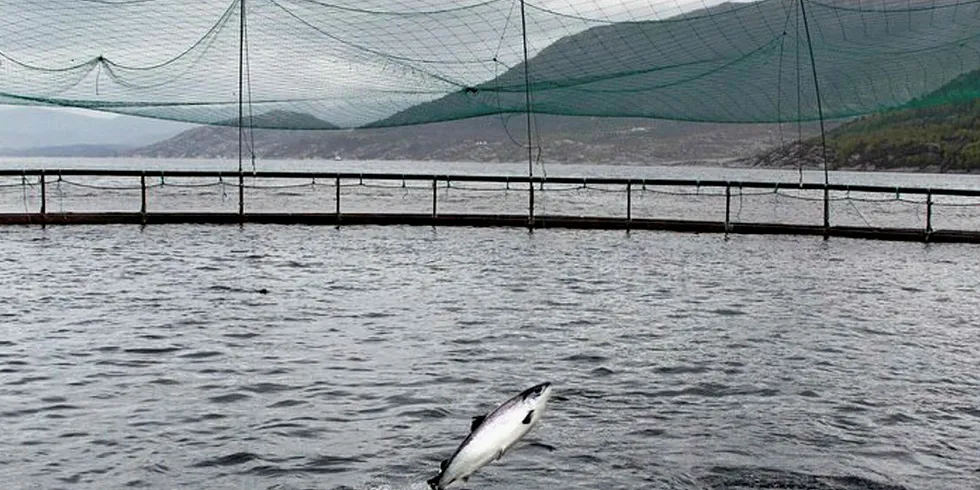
{"x":153,"y":359}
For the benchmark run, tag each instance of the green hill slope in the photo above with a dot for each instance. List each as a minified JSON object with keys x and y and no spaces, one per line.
{"x":939,"y":133}
{"x":735,"y":63}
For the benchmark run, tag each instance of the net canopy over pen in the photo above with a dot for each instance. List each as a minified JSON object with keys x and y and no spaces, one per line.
{"x":330,"y":64}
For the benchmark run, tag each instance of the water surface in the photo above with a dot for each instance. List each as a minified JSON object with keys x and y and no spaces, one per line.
{"x":291,"y":357}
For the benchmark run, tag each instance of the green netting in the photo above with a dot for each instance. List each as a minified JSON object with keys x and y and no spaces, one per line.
{"x":313,"y":64}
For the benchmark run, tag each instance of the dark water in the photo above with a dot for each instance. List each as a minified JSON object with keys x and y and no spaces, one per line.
{"x":267,"y":357}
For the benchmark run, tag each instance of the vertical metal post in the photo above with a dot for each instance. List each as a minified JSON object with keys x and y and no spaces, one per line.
{"x":44,"y":198}
{"x":629,"y":204}
{"x":143,"y":198}
{"x":823,"y":133}
{"x":530,"y":202}
{"x":728,"y":207}
{"x":435,"y":193}
{"x":337,"y":187}
{"x":527,"y":112}
{"x":241,"y":196}
{"x":928,"y":215}
{"x":826,"y":211}
{"x":241,"y":112}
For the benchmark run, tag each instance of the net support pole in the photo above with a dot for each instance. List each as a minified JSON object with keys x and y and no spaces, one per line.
{"x":241,"y":196}
{"x":143,"y":199}
{"x":826,"y":211}
{"x":435,"y":194}
{"x":241,"y":112}
{"x":44,"y":199}
{"x":928,"y":215}
{"x":728,"y":207}
{"x":823,"y":133}
{"x":337,"y":199}
{"x":629,"y":205}
{"x":527,"y":111}
{"x":530,"y":203}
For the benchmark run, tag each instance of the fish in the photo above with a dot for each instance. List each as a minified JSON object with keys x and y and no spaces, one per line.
{"x":491,"y":435}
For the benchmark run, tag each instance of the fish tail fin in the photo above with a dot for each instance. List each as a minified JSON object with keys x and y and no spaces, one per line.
{"x":434,"y":482}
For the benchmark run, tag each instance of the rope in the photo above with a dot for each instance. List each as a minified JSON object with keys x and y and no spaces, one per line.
{"x":170,"y":184}
{"x":683,"y":193}
{"x":284,"y":186}
{"x":18,"y":184}
{"x":954,"y":205}
{"x":61,"y":194}
{"x":505,"y":190}
{"x":741,"y":194}
{"x":24,"y":192}
{"x":858,"y":211}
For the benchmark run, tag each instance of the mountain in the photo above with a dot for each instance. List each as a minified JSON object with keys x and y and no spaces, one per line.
{"x":487,"y":123}
{"x":283,"y":119}
{"x":25,"y":128}
{"x":742,"y":65}
{"x":489,"y":139}
{"x":732,"y":62}
{"x":939,"y":132}
{"x":738,"y":62}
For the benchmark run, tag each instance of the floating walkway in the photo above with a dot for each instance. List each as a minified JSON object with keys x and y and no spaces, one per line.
{"x":728,"y":194}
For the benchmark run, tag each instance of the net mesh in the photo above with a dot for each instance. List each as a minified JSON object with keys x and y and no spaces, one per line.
{"x":320,"y":64}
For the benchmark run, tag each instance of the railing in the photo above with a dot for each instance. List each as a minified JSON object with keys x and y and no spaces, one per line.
{"x":627,"y":220}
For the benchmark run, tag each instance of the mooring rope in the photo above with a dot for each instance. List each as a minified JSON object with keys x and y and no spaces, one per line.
{"x":105,"y":187}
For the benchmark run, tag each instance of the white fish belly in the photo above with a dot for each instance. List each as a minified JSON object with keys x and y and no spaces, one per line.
{"x":491,"y":439}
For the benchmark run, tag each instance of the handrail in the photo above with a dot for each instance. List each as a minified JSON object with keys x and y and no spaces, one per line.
{"x":504,"y":179}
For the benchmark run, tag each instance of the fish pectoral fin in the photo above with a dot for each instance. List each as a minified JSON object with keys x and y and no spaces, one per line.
{"x":434,"y":483}
{"x":527,"y":419}
{"x":477,"y":421}
{"x":500,"y":454}
{"x":466,"y":479}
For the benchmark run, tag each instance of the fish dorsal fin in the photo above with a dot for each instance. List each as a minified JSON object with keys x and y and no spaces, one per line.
{"x":444,"y":464}
{"x":527,"y":419}
{"x":477,"y":421}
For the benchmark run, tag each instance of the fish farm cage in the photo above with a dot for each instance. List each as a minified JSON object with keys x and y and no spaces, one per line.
{"x":77,"y":196}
